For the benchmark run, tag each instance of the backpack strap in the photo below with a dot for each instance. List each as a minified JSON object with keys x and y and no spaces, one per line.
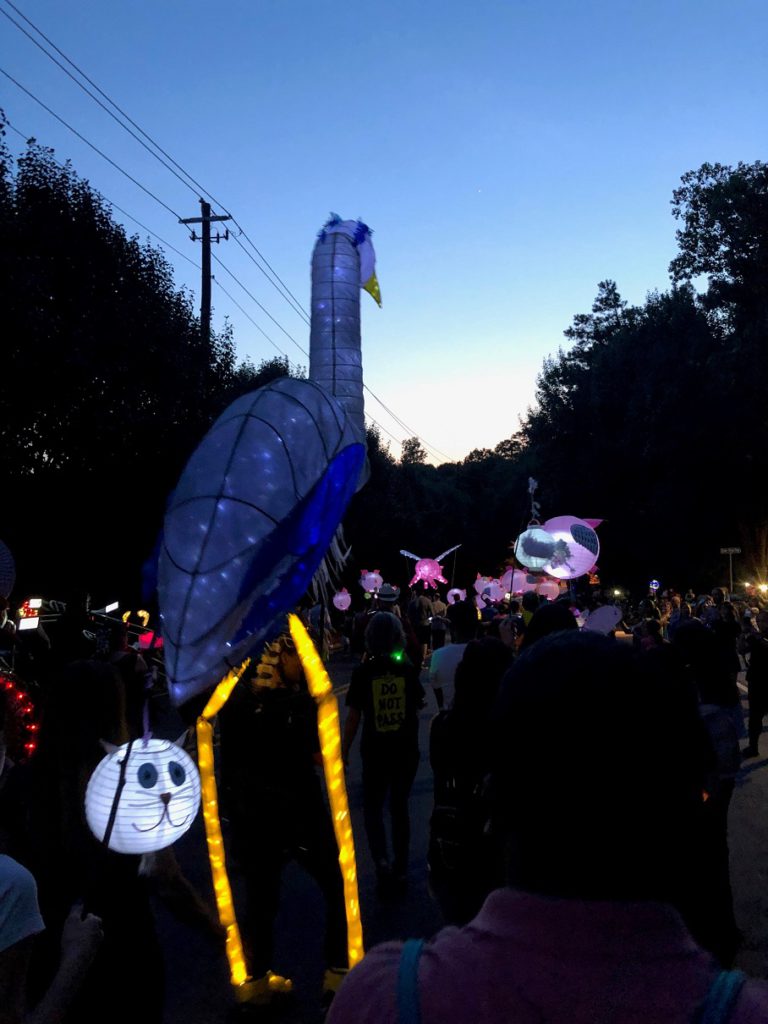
{"x":721,"y":998}
{"x":408,"y":1011}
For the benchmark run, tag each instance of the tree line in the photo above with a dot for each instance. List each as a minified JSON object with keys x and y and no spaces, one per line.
{"x":653,"y":417}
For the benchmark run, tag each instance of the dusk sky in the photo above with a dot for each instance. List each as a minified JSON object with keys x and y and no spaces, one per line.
{"x":507,"y":155}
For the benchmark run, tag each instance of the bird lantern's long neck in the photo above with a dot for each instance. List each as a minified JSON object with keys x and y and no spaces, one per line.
{"x":335,"y":358}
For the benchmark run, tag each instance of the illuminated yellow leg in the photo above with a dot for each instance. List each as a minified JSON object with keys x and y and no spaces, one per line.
{"x":222,"y":889}
{"x":330,"y":746}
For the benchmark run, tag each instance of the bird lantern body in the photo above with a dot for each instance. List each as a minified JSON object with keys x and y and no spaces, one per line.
{"x":342,"y":600}
{"x":157,"y":802}
{"x":260,"y":501}
{"x":577,"y":547}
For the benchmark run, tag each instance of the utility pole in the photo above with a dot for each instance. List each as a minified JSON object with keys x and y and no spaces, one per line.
{"x":206,"y":219}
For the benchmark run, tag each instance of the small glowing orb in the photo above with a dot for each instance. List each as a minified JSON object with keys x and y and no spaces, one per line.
{"x":455,"y":595}
{"x":157,"y":803}
{"x":342,"y":600}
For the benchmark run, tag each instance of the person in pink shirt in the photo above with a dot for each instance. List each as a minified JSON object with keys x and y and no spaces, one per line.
{"x":599,"y":832}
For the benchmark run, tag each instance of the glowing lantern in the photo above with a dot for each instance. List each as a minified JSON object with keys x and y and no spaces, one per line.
{"x":342,"y":600}
{"x":603,"y":619}
{"x":370,"y":581}
{"x":576,"y":547}
{"x":549,"y":589}
{"x":455,"y":595}
{"x":480,"y":583}
{"x":142,"y":796}
{"x":534,"y":547}
{"x":494,"y":591}
{"x":255,"y":514}
{"x":428,"y":571}
{"x":513,"y":581}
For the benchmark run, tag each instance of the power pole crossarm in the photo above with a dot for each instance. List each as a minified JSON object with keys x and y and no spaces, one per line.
{"x":206,"y":219}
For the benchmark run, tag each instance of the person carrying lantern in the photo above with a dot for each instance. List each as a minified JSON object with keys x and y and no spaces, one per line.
{"x":272,"y":795}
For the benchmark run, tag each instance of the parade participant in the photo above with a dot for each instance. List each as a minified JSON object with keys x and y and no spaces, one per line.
{"x":755,"y":646}
{"x":386,"y":695}
{"x":461,"y":859}
{"x":271,"y":791}
{"x":443,"y":663}
{"x":599,"y":839}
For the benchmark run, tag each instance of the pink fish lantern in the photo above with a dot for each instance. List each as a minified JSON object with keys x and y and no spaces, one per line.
{"x":549,"y":589}
{"x":342,"y":600}
{"x":455,"y":595}
{"x":371,"y":581}
{"x":577,"y":547}
{"x":513,"y":581}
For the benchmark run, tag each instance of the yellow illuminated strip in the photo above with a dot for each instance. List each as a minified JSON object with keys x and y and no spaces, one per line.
{"x":330,"y":746}
{"x":237,"y":967}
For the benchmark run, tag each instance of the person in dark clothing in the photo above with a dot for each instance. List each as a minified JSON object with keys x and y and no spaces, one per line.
{"x":385,"y":693}
{"x":756,"y":649}
{"x":549,"y":618}
{"x":272,"y":795}
{"x":460,"y":860}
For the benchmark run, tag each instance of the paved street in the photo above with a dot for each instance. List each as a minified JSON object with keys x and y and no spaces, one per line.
{"x":197,"y":979}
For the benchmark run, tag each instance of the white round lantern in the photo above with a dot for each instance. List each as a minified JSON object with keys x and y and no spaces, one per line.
{"x":455,"y":595}
{"x":577,"y":547}
{"x":370,"y":581}
{"x":156,"y":803}
{"x":342,"y":600}
{"x":513,"y":581}
{"x":534,"y":547}
{"x":494,"y":591}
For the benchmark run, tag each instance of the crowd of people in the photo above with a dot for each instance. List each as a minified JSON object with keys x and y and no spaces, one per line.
{"x":578,"y":841}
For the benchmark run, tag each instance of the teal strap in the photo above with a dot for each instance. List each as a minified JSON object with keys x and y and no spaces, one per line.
{"x":721,"y":998}
{"x":408,"y":1011}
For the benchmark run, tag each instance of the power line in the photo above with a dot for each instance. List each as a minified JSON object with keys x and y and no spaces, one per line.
{"x":249,"y":317}
{"x":409,"y":430}
{"x":88,"y":92}
{"x":400,"y":422}
{"x":90,"y":144}
{"x":264,"y":310}
{"x":115,"y":206}
{"x":287,"y":295}
{"x":277,"y":283}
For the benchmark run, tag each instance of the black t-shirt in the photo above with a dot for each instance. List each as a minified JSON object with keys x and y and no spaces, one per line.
{"x":757,"y":648}
{"x":388,"y":694}
{"x":268,"y":742}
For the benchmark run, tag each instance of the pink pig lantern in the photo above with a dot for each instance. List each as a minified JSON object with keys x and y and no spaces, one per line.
{"x":549,"y":589}
{"x":577,"y":546}
{"x":342,"y":600}
{"x":428,"y":571}
{"x":455,"y":595}
{"x":494,"y":591}
{"x":481,"y":583}
{"x":371,"y":581}
{"x":513,"y":581}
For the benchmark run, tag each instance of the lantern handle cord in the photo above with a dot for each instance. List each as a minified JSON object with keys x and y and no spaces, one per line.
{"x":118,"y":793}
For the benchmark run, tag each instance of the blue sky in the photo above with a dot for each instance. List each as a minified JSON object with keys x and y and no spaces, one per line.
{"x":508,"y":156}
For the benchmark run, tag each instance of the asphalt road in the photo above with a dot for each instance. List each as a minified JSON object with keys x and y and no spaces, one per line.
{"x":198,"y":989}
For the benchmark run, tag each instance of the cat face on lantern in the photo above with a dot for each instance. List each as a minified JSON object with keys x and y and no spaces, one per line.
{"x":158,"y":802}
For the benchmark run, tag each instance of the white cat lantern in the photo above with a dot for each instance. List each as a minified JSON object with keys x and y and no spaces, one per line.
{"x":143,"y":796}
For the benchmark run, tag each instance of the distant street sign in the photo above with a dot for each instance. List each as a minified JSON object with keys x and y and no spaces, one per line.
{"x":730,"y":551}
